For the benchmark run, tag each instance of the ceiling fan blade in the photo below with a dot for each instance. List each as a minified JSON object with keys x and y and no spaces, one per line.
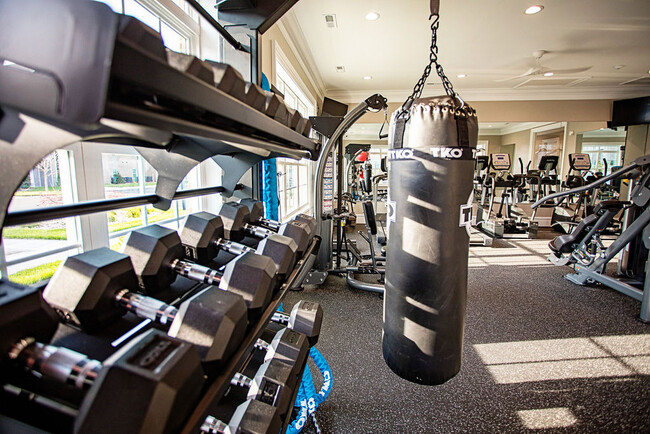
{"x":570,"y":71}
{"x":531,"y":71}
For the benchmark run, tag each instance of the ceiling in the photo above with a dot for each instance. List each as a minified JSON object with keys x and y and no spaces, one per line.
{"x":486,"y":40}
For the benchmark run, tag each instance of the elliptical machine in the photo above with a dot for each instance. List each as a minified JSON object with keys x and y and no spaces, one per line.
{"x":505,"y":220}
{"x":574,"y":207}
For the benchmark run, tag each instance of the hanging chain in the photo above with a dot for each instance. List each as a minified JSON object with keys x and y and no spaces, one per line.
{"x":433,"y":61}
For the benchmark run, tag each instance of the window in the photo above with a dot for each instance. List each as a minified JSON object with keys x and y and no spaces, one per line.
{"x":91,"y":171}
{"x":128,"y":174}
{"x":294,"y":178}
{"x":294,"y":97}
{"x":481,"y":147}
{"x":599,"y":152}
{"x":293,"y":186}
{"x":32,"y":252}
{"x":375,"y":155}
{"x":175,"y":20}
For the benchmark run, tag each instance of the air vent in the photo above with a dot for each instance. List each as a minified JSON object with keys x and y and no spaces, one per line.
{"x":330,"y":21}
{"x":640,"y":80}
{"x":340,"y":69}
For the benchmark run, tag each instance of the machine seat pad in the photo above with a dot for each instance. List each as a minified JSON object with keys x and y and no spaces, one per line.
{"x":369,"y":214}
{"x":610,"y":205}
{"x":564,"y":243}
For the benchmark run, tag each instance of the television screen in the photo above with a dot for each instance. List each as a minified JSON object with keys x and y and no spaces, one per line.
{"x":634,"y":111}
{"x":333,"y":108}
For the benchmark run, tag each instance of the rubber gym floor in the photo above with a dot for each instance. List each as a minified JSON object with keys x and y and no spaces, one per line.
{"x":540,"y":354}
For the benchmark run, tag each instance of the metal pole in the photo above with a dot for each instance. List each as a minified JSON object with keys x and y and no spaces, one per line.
{"x":350,"y":119}
{"x":339,"y":202}
{"x":95,"y":206}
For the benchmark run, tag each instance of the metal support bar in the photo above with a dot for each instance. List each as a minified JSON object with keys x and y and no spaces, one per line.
{"x":214,"y":23}
{"x":91,"y":207}
{"x":375,"y":102}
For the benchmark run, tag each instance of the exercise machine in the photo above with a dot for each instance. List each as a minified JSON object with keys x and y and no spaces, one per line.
{"x":507,"y":222}
{"x":590,"y":258}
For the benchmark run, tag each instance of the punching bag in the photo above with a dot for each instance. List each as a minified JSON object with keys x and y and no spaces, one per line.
{"x":430,"y":177}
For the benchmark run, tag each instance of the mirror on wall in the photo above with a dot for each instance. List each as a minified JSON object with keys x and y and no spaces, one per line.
{"x":606,"y":148}
{"x":526,"y":142}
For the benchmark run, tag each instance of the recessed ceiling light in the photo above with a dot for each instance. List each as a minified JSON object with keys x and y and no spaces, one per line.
{"x":548,"y":74}
{"x":367,"y":77}
{"x":534,"y":9}
{"x":462,"y":75}
{"x":372,"y":16}
{"x":619,"y":67}
{"x":489,"y":126}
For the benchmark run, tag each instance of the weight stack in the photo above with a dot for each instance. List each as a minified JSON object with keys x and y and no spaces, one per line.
{"x":429,"y":218}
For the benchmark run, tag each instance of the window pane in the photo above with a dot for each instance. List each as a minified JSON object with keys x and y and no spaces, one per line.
{"x":302,"y":174}
{"x":290,"y":99}
{"x":295,"y":96}
{"x":126,"y":175}
{"x":304,"y":195}
{"x":292,"y":200}
{"x":291,"y":176}
{"x":280,"y":86}
{"x":135,"y":9}
{"x":173,"y":40}
{"x":49,"y":183}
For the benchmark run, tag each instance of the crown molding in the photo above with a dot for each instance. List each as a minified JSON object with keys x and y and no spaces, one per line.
{"x":496,"y":94}
{"x":292,"y":32}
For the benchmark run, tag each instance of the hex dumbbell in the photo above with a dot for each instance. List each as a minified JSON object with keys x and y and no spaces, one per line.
{"x":250,"y":417}
{"x":203,"y":237}
{"x":237,"y":225}
{"x":305,"y":317}
{"x":94,"y":288}
{"x":256,"y":209}
{"x":157,"y":254}
{"x":272,"y":384}
{"x":287,"y":346}
{"x":157,"y":378}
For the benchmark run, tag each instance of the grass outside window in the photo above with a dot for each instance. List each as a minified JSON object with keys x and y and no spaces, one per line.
{"x":36,"y":274}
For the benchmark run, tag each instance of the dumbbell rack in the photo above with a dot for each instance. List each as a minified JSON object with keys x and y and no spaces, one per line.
{"x":134,"y":98}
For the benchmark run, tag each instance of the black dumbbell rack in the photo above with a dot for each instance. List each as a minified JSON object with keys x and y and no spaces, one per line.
{"x":133,"y":98}
{"x":172,"y":118}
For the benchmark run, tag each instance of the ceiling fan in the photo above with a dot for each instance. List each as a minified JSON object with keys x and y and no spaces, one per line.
{"x":539,"y":70}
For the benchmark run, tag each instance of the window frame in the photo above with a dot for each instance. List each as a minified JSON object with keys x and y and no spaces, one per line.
{"x":288,"y":82}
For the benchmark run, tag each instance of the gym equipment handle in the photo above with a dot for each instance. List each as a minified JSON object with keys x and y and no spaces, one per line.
{"x":196,"y":272}
{"x":146,"y":307}
{"x":232,"y":247}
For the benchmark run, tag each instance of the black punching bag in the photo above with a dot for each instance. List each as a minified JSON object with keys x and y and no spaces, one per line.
{"x":429,"y":186}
